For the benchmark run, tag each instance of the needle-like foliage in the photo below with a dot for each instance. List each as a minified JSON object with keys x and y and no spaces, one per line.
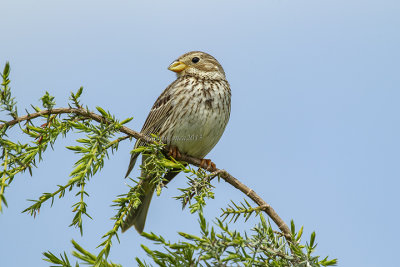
{"x":216,"y":245}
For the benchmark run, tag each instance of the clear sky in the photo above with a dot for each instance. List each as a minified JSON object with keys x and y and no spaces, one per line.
{"x":314,"y":127}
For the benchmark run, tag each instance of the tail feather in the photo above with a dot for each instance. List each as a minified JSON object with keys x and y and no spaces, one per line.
{"x":132,"y":163}
{"x":134,"y":157}
{"x":137,"y":217}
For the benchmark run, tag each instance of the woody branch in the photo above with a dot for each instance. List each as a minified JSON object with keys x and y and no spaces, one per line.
{"x":264,"y":206}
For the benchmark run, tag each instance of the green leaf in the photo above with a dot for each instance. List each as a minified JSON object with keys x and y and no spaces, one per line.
{"x":312,"y":239}
{"x":126,"y":121}
{"x":299,"y":234}
{"x":6,"y":70}
{"x":79,"y":93}
{"x":48,"y":101}
{"x":103,"y":112}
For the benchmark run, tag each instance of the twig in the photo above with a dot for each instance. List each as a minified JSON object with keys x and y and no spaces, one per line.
{"x":194,"y":161}
{"x":3,"y":181}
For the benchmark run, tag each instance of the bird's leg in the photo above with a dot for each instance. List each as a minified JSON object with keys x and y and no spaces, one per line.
{"x":208,"y":165}
{"x":174,"y":152}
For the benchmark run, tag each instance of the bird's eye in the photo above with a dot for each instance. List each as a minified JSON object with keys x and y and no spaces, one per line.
{"x":195,"y":59}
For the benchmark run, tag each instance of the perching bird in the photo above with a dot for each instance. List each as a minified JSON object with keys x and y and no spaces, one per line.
{"x":189,"y":116}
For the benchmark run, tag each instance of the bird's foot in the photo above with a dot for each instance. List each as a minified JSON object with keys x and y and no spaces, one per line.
{"x":208,"y":165}
{"x":174,"y":152}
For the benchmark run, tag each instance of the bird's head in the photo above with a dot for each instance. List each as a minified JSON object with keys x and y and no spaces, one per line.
{"x":198,"y":64}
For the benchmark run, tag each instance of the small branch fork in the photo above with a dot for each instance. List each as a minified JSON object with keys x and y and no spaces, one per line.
{"x":264,"y":206}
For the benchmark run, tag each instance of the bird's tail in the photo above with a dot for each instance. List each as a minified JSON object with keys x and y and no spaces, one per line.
{"x":137,"y":217}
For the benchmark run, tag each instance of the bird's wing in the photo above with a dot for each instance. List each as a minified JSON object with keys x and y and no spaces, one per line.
{"x":159,"y":113}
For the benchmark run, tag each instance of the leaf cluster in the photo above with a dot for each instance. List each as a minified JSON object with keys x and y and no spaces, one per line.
{"x":221,"y":246}
{"x":215,"y":246}
{"x":80,"y":253}
{"x":7,"y":102}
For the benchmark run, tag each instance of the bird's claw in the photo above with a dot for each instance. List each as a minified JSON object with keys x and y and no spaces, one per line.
{"x":208,"y":165}
{"x":174,"y":152}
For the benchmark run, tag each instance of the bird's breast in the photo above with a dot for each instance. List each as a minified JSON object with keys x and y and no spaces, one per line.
{"x":200,"y":113}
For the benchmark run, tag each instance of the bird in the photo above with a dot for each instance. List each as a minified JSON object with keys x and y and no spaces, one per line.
{"x":189,"y":116}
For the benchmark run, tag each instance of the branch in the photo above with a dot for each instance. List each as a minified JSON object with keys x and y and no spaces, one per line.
{"x":194,"y":161}
{"x":80,"y":111}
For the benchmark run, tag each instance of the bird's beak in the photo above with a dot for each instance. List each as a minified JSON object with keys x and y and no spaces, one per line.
{"x":177,"y":66}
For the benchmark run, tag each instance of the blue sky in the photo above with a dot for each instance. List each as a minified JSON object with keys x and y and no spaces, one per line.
{"x":314,"y":127}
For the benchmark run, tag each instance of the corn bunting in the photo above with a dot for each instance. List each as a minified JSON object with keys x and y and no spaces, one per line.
{"x":190,"y":116}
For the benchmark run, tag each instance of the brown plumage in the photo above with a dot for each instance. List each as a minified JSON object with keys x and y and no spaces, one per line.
{"x":191,"y":115}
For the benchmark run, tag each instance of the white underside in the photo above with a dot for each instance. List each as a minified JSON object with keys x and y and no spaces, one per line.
{"x":201,"y":128}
